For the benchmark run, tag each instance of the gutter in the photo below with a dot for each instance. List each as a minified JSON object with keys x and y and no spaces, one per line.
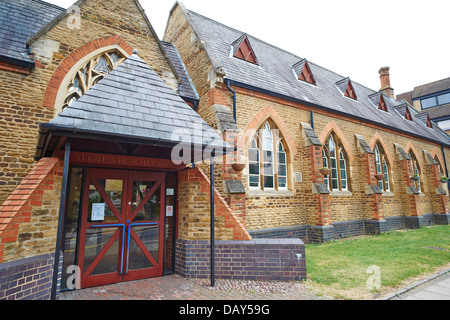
{"x":17,"y":62}
{"x":47,"y":130}
{"x":228,"y":83}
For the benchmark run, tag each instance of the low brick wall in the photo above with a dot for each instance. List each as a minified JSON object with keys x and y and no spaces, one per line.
{"x":27,"y":279}
{"x":257,"y":259}
{"x":340,"y":230}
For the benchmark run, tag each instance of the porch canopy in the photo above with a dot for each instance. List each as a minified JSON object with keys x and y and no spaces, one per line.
{"x":132,"y":111}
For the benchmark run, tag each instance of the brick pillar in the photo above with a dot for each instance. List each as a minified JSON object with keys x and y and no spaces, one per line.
{"x":408,"y":193}
{"x":375,"y":199}
{"x":321,"y":229}
{"x":322,"y":198}
{"x":413,"y":208}
{"x":439,"y":197}
{"x":231,"y":175}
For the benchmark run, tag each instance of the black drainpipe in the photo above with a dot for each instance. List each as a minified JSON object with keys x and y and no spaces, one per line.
{"x":445,"y":165}
{"x":228,"y":83}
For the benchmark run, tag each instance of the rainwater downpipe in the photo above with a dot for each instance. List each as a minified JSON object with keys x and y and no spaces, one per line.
{"x":445,"y":165}
{"x":228,"y":83}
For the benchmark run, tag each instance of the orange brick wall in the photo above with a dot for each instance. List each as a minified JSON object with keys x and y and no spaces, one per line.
{"x":29,"y":217}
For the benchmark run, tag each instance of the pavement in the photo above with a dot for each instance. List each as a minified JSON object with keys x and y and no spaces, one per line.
{"x":174,"y":287}
{"x":434,"y":288}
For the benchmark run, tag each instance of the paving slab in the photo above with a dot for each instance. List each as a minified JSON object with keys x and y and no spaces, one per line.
{"x":435,"y":288}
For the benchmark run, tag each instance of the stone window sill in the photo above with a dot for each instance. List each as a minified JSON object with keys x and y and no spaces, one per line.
{"x":270,"y":192}
{"x":338,"y":193}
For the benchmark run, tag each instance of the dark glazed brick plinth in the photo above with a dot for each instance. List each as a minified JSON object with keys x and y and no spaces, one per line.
{"x":258,"y":259}
{"x":27,"y":279}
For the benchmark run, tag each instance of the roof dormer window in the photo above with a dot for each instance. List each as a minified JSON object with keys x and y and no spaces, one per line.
{"x":403,"y":110}
{"x":346,"y":87}
{"x":350,"y":92}
{"x":243,"y":50}
{"x":303,"y":71}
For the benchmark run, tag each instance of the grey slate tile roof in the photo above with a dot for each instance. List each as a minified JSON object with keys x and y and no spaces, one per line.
{"x":431,"y":88}
{"x":187,"y":88}
{"x":133,"y":102}
{"x":19,"y":20}
{"x":274,"y":74}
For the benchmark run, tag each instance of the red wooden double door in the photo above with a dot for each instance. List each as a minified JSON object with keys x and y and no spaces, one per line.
{"x":122,"y":229}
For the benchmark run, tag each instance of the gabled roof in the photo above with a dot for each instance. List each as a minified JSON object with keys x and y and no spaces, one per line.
{"x":134,"y":104}
{"x":274,"y":77}
{"x":19,"y":20}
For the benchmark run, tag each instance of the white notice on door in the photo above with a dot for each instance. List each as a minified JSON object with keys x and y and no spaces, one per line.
{"x":98,"y":212}
{"x":169,"y":211}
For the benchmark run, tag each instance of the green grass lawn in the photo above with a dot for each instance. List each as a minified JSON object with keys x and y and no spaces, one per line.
{"x":340,"y":267}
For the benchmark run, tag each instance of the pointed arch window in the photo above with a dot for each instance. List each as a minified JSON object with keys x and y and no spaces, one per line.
{"x":416,"y":171}
{"x":90,"y":73}
{"x":253,"y":161}
{"x":335,"y":158}
{"x":382,"y":167}
{"x":282,"y":167}
{"x":267,"y":159}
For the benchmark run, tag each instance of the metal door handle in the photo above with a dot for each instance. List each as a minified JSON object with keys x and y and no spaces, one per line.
{"x":129,"y":236}
{"x":123,"y":238}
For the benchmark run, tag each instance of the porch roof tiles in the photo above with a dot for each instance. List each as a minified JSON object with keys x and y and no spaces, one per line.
{"x":135,"y":104}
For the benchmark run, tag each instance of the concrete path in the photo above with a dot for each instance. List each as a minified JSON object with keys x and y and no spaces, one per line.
{"x":437,"y":288}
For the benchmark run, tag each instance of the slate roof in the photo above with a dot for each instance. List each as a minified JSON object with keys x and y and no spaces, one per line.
{"x":134,"y":103}
{"x":274,"y":75}
{"x":186,"y":88}
{"x":431,"y":88}
{"x":19,"y":20}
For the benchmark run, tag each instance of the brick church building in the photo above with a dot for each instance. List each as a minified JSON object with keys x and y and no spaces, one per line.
{"x":107,"y":136}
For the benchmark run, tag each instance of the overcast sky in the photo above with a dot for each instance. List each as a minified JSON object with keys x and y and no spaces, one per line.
{"x":351,"y":37}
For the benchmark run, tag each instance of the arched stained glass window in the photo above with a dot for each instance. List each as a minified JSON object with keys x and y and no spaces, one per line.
{"x":89,"y":74}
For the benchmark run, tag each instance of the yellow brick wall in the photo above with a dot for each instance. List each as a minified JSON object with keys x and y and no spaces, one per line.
{"x":299,"y":206}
